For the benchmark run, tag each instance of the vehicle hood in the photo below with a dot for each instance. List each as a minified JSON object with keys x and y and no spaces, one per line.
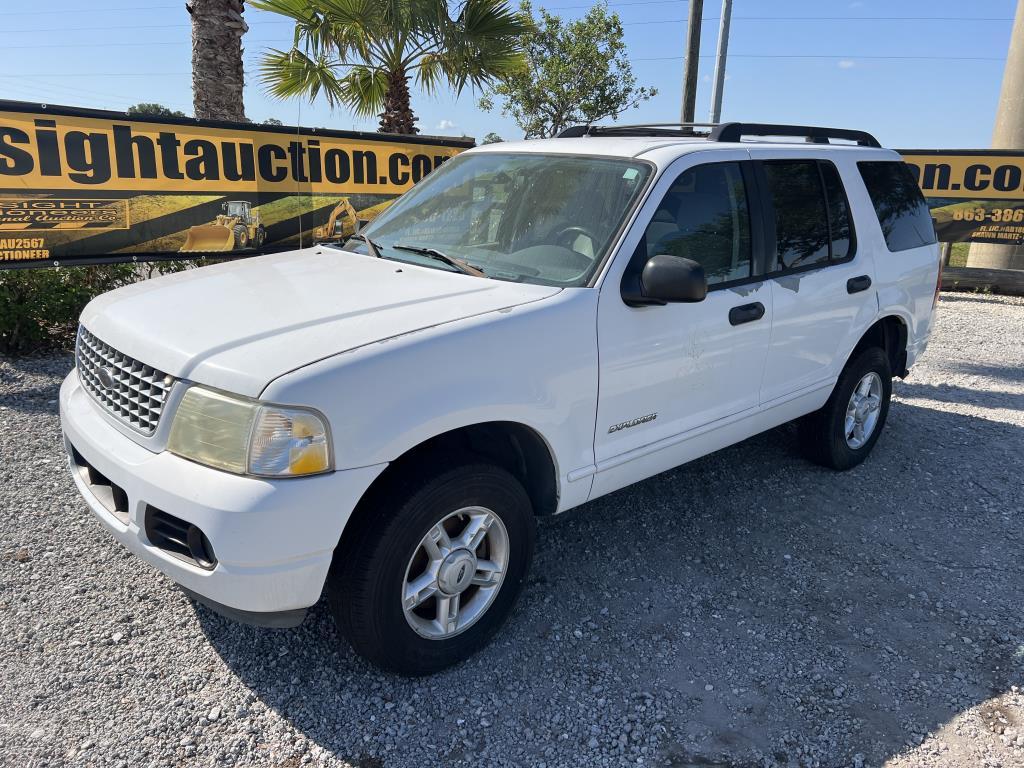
{"x":239,"y":325}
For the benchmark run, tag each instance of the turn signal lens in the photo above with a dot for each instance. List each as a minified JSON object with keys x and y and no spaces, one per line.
{"x":287,"y":442}
{"x":244,"y":436}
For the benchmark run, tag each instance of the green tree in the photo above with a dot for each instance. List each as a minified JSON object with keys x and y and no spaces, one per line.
{"x":492,"y":138}
{"x":272,"y":121}
{"x":362,"y":53}
{"x":577,"y":72}
{"x":152,"y":109}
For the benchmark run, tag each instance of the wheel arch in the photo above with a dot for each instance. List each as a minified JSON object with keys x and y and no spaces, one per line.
{"x":514,"y":446}
{"x":889,"y":333}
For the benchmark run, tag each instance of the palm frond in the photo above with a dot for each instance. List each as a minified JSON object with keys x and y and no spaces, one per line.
{"x":289,"y":74}
{"x":346,"y":49}
{"x":484,"y":43}
{"x":431,"y":72}
{"x":362,"y":90}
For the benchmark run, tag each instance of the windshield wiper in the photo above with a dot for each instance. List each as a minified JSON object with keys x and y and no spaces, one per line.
{"x":370,"y":245}
{"x":451,"y":261}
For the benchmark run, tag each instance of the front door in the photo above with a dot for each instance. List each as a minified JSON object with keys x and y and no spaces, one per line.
{"x":669,"y":374}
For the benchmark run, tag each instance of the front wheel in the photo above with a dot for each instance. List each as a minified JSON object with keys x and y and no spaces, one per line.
{"x":241,"y":236}
{"x":843,"y":432}
{"x":435,"y":570}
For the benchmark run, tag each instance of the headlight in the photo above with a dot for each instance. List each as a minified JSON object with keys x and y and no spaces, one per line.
{"x":249,"y":437}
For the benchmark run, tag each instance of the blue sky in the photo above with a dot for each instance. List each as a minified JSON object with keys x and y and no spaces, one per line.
{"x":787,"y":64}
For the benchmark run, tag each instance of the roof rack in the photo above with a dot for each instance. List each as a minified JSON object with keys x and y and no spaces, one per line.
{"x":640,"y":129}
{"x":813,"y":134}
{"x":722,"y":132}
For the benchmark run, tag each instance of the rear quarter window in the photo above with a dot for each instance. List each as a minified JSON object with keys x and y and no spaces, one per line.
{"x":899,"y":205}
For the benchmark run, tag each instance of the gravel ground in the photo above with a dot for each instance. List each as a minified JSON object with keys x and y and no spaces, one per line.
{"x":748,"y":610}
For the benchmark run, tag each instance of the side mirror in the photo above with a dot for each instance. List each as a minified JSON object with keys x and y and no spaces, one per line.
{"x":665,"y":279}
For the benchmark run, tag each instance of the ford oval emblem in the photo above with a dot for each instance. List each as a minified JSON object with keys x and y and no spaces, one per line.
{"x":106,"y":378}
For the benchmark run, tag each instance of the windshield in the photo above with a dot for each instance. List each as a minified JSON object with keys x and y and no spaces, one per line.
{"x":546,"y":219}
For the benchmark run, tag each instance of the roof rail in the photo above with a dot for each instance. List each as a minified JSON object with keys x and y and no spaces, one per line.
{"x":814,"y":134}
{"x":640,"y":129}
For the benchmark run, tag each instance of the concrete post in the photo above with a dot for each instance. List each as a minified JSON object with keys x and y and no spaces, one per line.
{"x":1007,"y":134}
{"x":720,"y":60}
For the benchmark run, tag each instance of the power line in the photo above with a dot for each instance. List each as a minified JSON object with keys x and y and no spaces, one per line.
{"x":830,"y":56}
{"x":828,"y":18}
{"x":108,"y":27}
{"x":87,"y":10}
{"x":106,"y":74}
{"x":142,"y":44}
{"x":660,"y":21}
{"x":614,"y":4}
{"x":854,"y":56}
{"x":57,"y":90}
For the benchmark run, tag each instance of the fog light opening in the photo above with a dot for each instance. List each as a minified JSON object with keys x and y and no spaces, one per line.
{"x":200,"y":548}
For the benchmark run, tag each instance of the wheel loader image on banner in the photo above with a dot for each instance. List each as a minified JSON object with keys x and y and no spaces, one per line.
{"x":346,"y":221}
{"x":236,"y":229}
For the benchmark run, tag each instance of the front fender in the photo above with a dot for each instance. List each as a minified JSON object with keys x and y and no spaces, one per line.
{"x":534,"y":365}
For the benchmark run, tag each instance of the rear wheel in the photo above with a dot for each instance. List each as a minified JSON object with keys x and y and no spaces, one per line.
{"x":842,"y":433}
{"x":435,"y":569}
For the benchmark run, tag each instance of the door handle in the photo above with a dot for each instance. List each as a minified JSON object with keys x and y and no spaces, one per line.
{"x":858,"y":284}
{"x":746,"y":313}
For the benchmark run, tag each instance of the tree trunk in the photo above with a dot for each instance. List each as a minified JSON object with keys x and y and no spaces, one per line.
{"x":397,"y":116}
{"x":217,"y":73}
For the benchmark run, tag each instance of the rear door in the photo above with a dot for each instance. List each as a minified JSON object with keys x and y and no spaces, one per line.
{"x":822,"y":280}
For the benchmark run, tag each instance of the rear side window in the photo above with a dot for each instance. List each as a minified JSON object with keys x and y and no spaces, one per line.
{"x":900,"y":206}
{"x":812,"y":217}
{"x":838,"y":212}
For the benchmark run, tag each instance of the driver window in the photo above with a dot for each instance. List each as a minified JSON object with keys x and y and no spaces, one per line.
{"x":704,"y":217}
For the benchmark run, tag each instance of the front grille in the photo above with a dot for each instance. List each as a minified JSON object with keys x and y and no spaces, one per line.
{"x":132,"y":391}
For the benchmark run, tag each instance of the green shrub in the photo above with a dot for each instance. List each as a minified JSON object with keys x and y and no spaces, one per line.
{"x":39,"y":308}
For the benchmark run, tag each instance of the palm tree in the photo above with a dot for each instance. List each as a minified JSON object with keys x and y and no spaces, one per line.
{"x":217,"y":74}
{"x":362,"y":53}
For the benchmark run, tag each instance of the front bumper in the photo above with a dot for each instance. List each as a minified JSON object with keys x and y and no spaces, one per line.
{"x":273,"y":539}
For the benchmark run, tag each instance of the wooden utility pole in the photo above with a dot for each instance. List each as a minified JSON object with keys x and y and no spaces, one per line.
{"x":1007,"y":134}
{"x":692,"y":62}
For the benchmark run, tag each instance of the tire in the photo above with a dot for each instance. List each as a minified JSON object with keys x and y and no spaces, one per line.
{"x":241,"y":236}
{"x":371,"y":577}
{"x":261,"y":236}
{"x":823,"y":434}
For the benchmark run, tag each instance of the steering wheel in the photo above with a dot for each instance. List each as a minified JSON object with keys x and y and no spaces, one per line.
{"x":567,"y":238}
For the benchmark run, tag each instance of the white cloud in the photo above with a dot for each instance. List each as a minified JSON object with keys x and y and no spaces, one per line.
{"x":847,"y":64}
{"x":446,"y":125}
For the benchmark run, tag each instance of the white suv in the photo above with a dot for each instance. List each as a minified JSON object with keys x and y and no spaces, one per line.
{"x":534,"y":325}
